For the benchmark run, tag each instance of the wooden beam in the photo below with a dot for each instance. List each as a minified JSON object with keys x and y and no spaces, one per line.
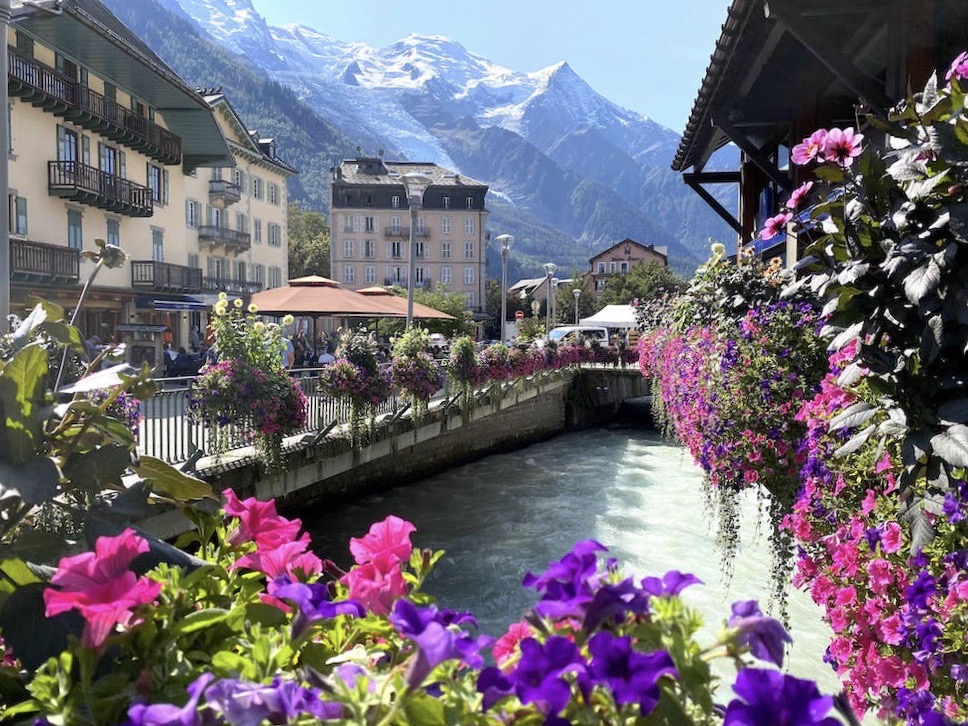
{"x":714,"y":203}
{"x":712,"y":177}
{"x":868,"y":90}
{"x":751,"y":150}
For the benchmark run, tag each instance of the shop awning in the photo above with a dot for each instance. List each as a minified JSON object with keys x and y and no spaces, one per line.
{"x":170,"y":304}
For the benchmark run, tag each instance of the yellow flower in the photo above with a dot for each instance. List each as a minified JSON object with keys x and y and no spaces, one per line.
{"x":288,"y":320}
{"x":253,"y":308}
{"x":259,"y":326}
{"x":220,"y":307}
{"x":237,"y":302}
{"x":223,"y":296}
{"x":719,"y":250}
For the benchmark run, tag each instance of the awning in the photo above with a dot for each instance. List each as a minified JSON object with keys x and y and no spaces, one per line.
{"x":176,"y":302}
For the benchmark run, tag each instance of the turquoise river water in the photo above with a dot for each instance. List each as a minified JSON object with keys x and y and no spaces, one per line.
{"x":506,"y":514}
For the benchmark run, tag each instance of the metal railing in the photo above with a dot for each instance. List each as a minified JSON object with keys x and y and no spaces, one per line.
{"x":230,"y":238}
{"x":223,"y":284}
{"x":223,"y":191}
{"x":40,"y":262}
{"x":45,"y":86}
{"x":89,"y":185}
{"x":164,"y":276}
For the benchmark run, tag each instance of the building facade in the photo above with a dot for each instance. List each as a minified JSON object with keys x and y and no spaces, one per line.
{"x":106,"y":142}
{"x":371,"y":228}
{"x":620,"y":259}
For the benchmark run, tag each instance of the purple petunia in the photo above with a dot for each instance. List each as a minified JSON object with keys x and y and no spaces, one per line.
{"x":568,"y":584}
{"x":249,"y":704}
{"x":764,"y":636}
{"x":313,"y":603}
{"x":166,"y":714}
{"x":437,"y":636}
{"x":768,"y":697}
{"x":672,"y":583}
{"x":632,"y":676}
{"x":613,"y":602}
{"x":538,"y":677}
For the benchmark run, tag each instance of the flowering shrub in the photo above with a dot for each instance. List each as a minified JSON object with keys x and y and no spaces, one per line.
{"x":414,"y":371}
{"x":249,"y":386}
{"x":125,"y":407}
{"x":259,"y":629}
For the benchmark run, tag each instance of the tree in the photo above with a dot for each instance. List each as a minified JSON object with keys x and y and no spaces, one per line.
{"x":565,"y":302}
{"x":452,"y":303}
{"x":309,"y":241}
{"x":643,"y":282}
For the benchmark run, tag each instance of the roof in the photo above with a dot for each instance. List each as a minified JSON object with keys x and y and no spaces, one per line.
{"x":612,"y":316}
{"x":528,"y":284}
{"x":762,"y":77}
{"x":629,"y":241}
{"x":376,"y":171}
{"x":315,"y":295}
{"x":251,"y":144}
{"x":87,"y":31}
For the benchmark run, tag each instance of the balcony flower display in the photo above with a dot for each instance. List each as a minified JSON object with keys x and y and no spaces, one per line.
{"x":249,"y":388}
{"x":413,"y":370}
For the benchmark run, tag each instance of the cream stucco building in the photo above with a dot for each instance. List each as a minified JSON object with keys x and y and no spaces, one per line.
{"x":107,"y":142}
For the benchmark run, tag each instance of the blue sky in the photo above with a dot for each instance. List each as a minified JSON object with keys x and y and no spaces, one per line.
{"x":647,"y":55}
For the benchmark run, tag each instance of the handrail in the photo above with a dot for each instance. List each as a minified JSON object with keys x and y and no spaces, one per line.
{"x":91,"y":185}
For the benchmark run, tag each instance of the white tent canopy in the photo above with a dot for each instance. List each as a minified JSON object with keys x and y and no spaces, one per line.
{"x":612,"y":316}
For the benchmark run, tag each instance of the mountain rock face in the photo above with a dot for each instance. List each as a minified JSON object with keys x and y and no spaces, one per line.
{"x":546,"y":142}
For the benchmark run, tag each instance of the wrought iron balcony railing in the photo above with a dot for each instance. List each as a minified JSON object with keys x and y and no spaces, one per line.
{"x":223,"y":193}
{"x":89,"y":185}
{"x":165,"y":277}
{"x":239,"y":287}
{"x":231,"y":239}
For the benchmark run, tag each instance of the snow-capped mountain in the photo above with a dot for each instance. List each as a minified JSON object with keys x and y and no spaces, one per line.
{"x":429,"y":98}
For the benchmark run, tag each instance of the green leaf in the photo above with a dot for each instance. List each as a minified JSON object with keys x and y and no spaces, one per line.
{"x":107,"y":378}
{"x":65,"y":334}
{"x":25,"y":331}
{"x":98,"y":469}
{"x":199,"y":620}
{"x":34,"y":546}
{"x":422,"y":710}
{"x":35,"y":482}
{"x":234,"y":664}
{"x":168,"y":480}
{"x":17,"y":572}
{"x":22,"y":394}
{"x":853,"y":416}
{"x":922,"y":281}
{"x":854,"y":443}
{"x":952,"y":445}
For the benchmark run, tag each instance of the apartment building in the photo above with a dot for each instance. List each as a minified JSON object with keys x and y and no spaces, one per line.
{"x":108,"y":142}
{"x":371,"y":228}
{"x":620,"y":259}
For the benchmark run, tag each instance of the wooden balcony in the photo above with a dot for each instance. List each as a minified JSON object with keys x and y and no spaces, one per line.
{"x":165,"y":277}
{"x":37,"y":262}
{"x":222,"y":284}
{"x":89,"y":185}
{"x":231,"y":239}
{"x":47,"y":88}
{"x":222,"y":193}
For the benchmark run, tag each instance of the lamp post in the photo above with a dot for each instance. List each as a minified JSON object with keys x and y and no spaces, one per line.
{"x":414,"y":184}
{"x":577,"y":293}
{"x":506,"y":241}
{"x":550,"y":268}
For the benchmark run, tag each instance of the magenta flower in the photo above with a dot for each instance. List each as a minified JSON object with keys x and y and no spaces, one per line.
{"x":810,"y":149}
{"x":259,"y":522}
{"x":386,"y":544}
{"x":799,"y":194}
{"x":841,"y":146}
{"x":377,"y":589}
{"x":101,"y":586}
{"x":289,"y":559}
{"x":775,"y":225}
{"x":959,"y":67}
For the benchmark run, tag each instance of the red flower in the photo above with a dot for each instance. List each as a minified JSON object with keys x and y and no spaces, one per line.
{"x":101,"y":586}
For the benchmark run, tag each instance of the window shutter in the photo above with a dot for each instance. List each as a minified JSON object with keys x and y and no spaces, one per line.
{"x":164,"y":181}
{"x":22,"y":215}
{"x":86,"y":150}
{"x":122,"y":165}
{"x":61,"y":143}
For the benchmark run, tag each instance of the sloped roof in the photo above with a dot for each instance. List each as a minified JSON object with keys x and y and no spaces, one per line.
{"x":380,"y":172}
{"x":218,"y":101}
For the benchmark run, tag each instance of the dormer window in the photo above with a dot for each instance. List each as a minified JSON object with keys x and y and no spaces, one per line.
{"x":446,"y":202}
{"x":469,"y":202}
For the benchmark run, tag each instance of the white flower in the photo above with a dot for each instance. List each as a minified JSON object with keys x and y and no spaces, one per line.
{"x":253,"y":308}
{"x":288,"y":320}
{"x":223,"y":296}
{"x":237,"y":302}
{"x":259,"y":326}
{"x":719,"y":250}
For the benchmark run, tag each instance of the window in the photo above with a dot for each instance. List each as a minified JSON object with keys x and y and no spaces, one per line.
{"x":469,"y":202}
{"x":273,"y":194}
{"x":396,"y":249}
{"x":395,"y":201}
{"x":18,"y":215}
{"x":601,"y":268}
{"x":256,"y":187}
{"x":445,"y":275}
{"x":348,"y":245}
{"x":349,"y":274}
{"x":469,"y":225}
{"x":418,"y":274}
{"x":368,"y":249}
{"x":369,"y":224}
{"x":25,"y":44}
{"x":158,"y":183}
{"x":369,"y":274}
{"x":445,"y":225}
{"x":216,"y":268}
{"x":157,"y":245}
{"x":9,"y":128}
{"x":395,"y":224}
{"x":623,"y":266}
{"x":240,"y":271}
{"x":241,"y":222}
{"x":420,"y":225}
{"x":446,"y":202}
{"x":112,"y":160}
{"x":445,"y":250}
{"x":238,"y":176}
{"x":259,"y":274}
{"x":67,"y":147}
{"x":368,"y":200}
{"x":75,"y":232}
{"x":193,"y":260}
{"x":275,"y":277}
{"x":468,"y":275}
{"x":599,"y":285}
{"x":468,"y":250}
{"x":611,"y":266}
{"x":418,"y":250}
{"x":257,"y":231}
{"x":275,"y":235}
{"x":215,"y":216}
{"x":470,"y":299}
{"x":356,"y":223}
{"x":114,"y":233}
{"x":191,"y":213}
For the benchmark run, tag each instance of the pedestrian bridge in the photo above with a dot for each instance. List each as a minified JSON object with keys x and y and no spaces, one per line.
{"x":323,"y":465}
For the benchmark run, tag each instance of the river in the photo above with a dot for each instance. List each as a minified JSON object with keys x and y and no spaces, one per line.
{"x":506,"y":514}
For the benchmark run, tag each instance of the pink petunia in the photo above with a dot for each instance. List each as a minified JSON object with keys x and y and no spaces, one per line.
{"x":259,"y":522}
{"x":841,"y":146}
{"x":959,"y":67}
{"x":101,"y":586}
{"x":506,"y":646}
{"x":810,"y":149}
{"x":881,"y":576}
{"x":272,"y":562}
{"x":799,"y":194}
{"x":387,"y":543}
{"x":891,"y":537}
{"x":375,"y":588}
{"x":775,"y":225}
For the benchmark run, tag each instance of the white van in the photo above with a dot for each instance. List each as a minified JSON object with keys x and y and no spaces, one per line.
{"x":570,"y":334}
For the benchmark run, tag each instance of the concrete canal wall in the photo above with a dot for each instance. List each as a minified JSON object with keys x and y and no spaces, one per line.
{"x":507,"y":417}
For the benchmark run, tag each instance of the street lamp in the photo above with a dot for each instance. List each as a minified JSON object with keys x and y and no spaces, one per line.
{"x":550,"y":268}
{"x":414,"y":184}
{"x":577,"y":293}
{"x":506,"y":241}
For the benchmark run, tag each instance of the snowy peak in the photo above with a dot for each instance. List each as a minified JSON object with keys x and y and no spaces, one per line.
{"x":237,"y":25}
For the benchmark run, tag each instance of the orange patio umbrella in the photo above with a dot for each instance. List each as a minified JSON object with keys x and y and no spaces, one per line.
{"x":319,"y":296}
